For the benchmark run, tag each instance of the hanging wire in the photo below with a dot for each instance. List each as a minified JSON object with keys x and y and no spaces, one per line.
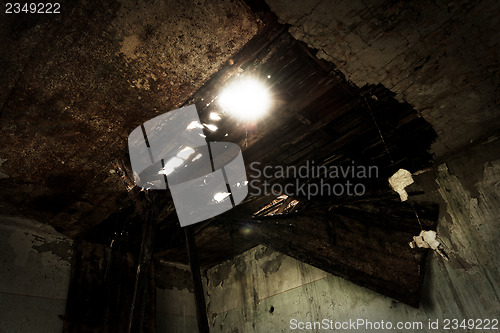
{"x":378,"y":129}
{"x":439,"y":251}
{"x":109,"y":259}
{"x":416,"y":214}
{"x":390,"y":156}
{"x":111,"y":248}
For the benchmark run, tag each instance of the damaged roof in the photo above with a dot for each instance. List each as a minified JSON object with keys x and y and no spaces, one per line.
{"x":77,"y":84}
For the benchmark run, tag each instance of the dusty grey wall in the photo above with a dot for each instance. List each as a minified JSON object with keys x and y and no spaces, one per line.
{"x":34,"y":276}
{"x":175,"y":304}
{"x":439,"y":56}
{"x":241,"y":292}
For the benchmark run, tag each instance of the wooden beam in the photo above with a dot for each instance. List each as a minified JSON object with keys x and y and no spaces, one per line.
{"x":199,"y":294}
{"x":143,"y":310}
{"x":112,"y":286}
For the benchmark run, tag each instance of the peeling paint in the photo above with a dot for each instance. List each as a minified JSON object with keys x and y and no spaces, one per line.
{"x":420,"y":52}
{"x":34,"y":275}
{"x":272,"y":264}
{"x":59,"y":249}
{"x":427,"y":240}
{"x":472,"y":220}
{"x":464,"y":287}
{"x":399,"y":181}
{"x":28,"y":237}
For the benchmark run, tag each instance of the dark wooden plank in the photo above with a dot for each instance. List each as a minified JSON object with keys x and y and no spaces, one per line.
{"x":199,"y":294}
{"x":370,"y":246}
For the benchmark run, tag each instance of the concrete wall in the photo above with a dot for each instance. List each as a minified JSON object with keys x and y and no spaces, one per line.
{"x":175,"y":304}
{"x":439,"y":56}
{"x":34,"y":276}
{"x":261,"y":290}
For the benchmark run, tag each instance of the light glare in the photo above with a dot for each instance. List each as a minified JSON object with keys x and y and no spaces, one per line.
{"x":246,"y":99}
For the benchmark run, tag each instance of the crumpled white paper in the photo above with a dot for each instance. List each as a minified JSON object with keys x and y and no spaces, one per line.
{"x":398,"y":181}
{"x":427,"y":240}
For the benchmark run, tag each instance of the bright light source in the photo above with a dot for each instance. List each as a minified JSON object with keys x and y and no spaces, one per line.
{"x":246,"y":99}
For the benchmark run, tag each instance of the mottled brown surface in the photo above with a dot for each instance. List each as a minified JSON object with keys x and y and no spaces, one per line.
{"x":75,"y":84}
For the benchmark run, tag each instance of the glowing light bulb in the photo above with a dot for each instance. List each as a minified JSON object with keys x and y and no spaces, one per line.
{"x":246,"y":99}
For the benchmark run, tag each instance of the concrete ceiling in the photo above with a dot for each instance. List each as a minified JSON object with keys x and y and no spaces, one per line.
{"x":74,"y":86}
{"x":385,"y":83}
{"x":440,"y":57}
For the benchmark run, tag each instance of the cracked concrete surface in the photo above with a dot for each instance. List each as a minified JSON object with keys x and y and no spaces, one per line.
{"x":34,"y":276}
{"x":442,"y":58}
{"x":77,"y":84}
{"x":175,"y":303}
{"x":240,"y":294}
